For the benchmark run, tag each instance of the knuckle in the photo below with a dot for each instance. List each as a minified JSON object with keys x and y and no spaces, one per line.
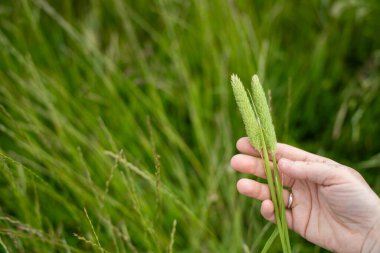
{"x":257,"y":191}
{"x":253,"y":166}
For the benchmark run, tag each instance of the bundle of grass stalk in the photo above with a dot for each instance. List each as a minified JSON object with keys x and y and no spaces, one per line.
{"x":260,"y":130}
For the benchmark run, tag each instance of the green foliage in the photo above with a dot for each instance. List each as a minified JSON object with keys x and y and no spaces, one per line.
{"x":117,"y":120}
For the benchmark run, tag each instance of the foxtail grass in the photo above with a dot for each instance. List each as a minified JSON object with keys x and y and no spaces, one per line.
{"x":261,"y":133}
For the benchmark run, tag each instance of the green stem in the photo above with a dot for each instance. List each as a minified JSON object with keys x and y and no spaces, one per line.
{"x":272,"y":189}
{"x":275,"y":189}
{"x":279,"y":190}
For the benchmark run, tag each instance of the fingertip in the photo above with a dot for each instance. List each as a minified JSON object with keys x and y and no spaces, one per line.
{"x":234,"y":161}
{"x":241,"y":143}
{"x":242,"y":185}
{"x":267,"y":209}
{"x":244,"y":146}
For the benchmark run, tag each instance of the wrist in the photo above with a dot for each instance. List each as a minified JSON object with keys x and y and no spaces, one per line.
{"x":371,"y":243}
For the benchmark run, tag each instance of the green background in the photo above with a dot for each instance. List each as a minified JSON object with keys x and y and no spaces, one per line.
{"x":117,"y":119}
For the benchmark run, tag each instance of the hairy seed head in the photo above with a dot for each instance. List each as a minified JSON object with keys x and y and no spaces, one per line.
{"x":263,"y":114}
{"x":246,"y":111}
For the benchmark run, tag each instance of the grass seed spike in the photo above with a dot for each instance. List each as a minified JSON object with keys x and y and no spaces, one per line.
{"x":260,"y":130}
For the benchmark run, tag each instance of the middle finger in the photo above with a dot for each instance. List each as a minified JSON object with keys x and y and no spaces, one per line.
{"x":255,"y":166}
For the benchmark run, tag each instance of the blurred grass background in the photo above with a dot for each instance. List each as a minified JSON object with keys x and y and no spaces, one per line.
{"x":117,"y":121}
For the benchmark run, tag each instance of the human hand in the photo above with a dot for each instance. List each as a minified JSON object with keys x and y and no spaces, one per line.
{"x":333,"y":206}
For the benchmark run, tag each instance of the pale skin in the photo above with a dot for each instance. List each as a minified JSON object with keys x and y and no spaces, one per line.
{"x":333,"y":206}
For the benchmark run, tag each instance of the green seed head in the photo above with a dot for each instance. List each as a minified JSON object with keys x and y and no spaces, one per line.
{"x":246,"y":111}
{"x":263,"y":114}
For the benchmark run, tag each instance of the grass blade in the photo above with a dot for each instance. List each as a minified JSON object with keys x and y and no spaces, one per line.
{"x":270,"y":240}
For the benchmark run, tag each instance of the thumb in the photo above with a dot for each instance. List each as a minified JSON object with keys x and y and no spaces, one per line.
{"x":316,"y":172}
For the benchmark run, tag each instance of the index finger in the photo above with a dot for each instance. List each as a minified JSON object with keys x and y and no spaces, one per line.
{"x":283,"y":151}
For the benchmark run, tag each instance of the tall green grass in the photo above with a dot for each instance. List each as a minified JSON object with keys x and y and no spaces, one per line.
{"x":117,"y":122}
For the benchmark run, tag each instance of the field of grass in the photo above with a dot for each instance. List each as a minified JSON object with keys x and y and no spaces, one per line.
{"x":117,"y":119}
